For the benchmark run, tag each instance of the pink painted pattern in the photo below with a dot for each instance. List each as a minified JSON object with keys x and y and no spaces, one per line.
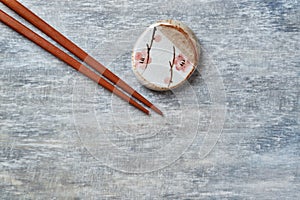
{"x":181,"y":63}
{"x":141,"y":59}
{"x":167,"y":80}
{"x":157,"y":38}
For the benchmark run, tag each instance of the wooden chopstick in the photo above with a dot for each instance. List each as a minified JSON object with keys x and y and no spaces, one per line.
{"x":77,"y":51}
{"x":29,"y":34}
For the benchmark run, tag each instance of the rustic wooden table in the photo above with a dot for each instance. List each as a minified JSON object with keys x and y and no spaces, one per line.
{"x":231,"y":132}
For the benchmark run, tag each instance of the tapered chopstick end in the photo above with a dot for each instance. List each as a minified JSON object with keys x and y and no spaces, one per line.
{"x":155,"y":109}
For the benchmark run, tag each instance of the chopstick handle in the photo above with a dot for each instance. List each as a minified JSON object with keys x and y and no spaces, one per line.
{"x":29,"y":34}
{"x":77,"y":51}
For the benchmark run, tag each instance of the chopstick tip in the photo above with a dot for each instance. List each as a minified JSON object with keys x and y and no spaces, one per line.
{"x":154,"y":108}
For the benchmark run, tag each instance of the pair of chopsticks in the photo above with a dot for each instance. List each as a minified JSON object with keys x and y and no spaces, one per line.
{"x":74,"y":49}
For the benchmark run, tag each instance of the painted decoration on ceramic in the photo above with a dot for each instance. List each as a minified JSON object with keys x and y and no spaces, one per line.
{"x":165,"y":55}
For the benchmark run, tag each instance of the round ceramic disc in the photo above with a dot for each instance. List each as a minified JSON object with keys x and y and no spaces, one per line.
{"x":165,"y":55}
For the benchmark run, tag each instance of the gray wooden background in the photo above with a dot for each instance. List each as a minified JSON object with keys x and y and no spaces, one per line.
{"x":231,"y":132}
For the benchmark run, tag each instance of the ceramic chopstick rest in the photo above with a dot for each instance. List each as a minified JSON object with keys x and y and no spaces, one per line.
{"x":165,"y":55}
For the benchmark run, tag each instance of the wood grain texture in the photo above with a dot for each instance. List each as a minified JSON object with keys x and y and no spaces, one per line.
{"x":232,"y":132}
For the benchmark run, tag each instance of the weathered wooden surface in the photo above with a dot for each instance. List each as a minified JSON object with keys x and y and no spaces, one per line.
{"x":232,"y":132}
